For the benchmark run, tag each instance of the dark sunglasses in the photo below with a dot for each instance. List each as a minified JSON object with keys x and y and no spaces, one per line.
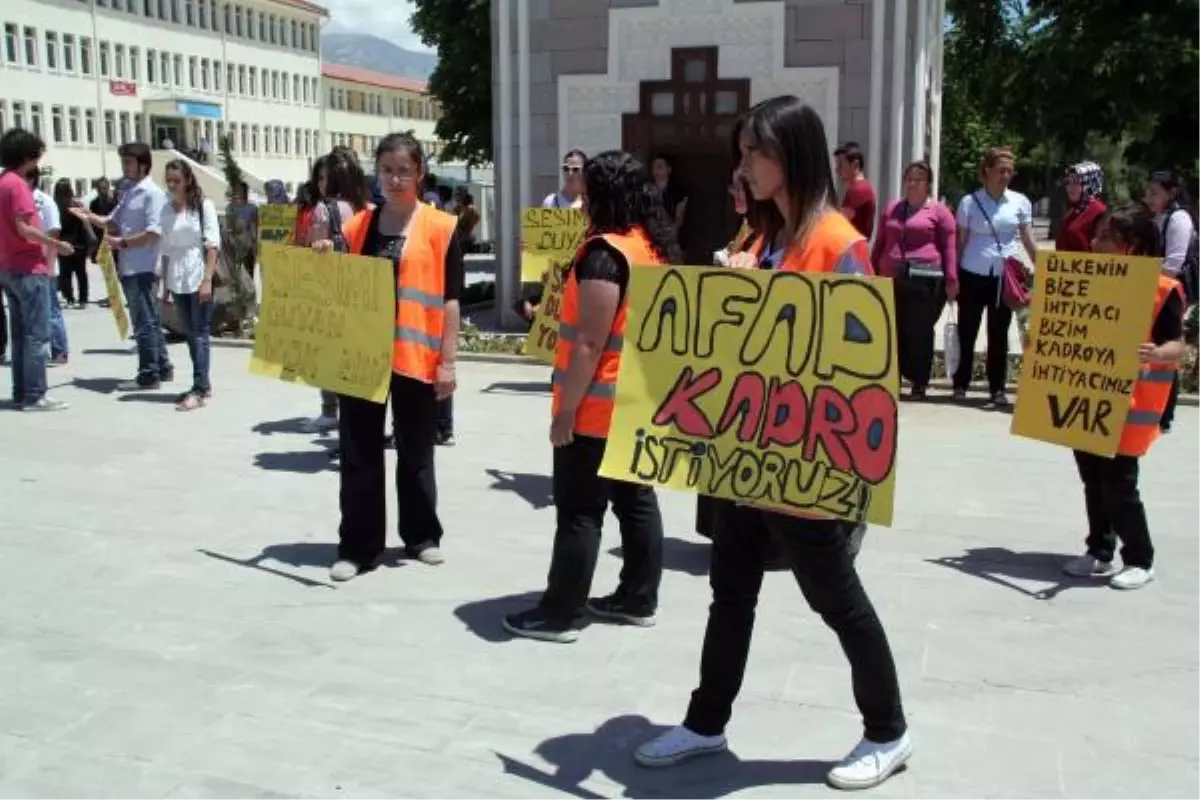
{"x":567,"y":169}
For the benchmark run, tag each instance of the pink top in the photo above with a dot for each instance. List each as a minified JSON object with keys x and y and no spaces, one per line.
{"x":926,"y":234}
{"x":18,"y":254}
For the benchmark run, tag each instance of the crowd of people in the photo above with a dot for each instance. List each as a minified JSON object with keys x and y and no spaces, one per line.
{"x":792,"y":220}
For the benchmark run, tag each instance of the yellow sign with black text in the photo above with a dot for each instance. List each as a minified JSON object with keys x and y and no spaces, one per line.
{"x":543,"y":334}
{"x":1090,"y":313}
{"x":776,"y":389}
{"x":549,"y":236}
{"x":276,"y":222}
{"x":326,"y":320}
{"x":112,"y":285}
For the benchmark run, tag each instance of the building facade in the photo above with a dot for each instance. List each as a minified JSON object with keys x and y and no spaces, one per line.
{"x":89,"y":75}
{"x":672,"y":76}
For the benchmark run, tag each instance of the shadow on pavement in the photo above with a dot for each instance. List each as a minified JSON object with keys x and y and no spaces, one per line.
{"x":537,"y":490}
{"x":609,"y":752}
{"x":1002,"y":566}
{"x":482,"y":617}
{"x":109,"y":351}
{"x":305,"y":462}
{"x":292,"y":425}
{"x":518,"y":387}
{"x":977,"y":402}
{"x":150,"y":397}
{"x":680,"y":555}
{"x":98,"y":385}
{"x":301,"y":554}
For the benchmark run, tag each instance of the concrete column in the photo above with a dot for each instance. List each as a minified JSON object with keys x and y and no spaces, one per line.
{"x":899,"y":57}
{"x":935,"y":94}
{"x":508,"y":264}
{"x":920,"y":77}
{"x":875,"y":161}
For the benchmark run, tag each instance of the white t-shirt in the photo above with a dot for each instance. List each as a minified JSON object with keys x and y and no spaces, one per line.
{"x":559,"y":200}
{"x":184,"y":245}
{"x":1177,"y":240}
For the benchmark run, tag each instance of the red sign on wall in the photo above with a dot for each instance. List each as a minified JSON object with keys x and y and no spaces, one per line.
{"x":123,"y":88}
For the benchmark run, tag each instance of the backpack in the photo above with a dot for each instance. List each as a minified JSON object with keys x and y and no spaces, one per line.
{"x":335,"y":225}
{"x":1189,"y":271}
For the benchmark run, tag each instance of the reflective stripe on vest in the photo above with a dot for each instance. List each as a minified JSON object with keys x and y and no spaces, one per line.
{"x":420,"y":292}
{"x":1151,"y":390}
{"x":594,"y":414}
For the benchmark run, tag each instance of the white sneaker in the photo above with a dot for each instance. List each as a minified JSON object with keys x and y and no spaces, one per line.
{"x":1088,"y":566}
{"x":676,"y":745}
{"x":1131,"y":578}
{"x":870,"y":763}
{"x":319,"y":424}
{"x":45,"y":403}
{"x":343,"y":570}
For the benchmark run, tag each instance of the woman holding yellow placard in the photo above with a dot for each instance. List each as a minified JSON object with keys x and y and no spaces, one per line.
{"x":784,"y":156}
{"x":420,"y":242}
{"x":628,"y":226}
{"x":1114,"y":505}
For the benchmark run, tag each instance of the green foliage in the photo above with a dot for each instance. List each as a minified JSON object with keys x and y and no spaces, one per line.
{"x":461,"y":30}
{"x":229,"y":165}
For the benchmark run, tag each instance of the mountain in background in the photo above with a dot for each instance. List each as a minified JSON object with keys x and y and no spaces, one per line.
{"x":371,"y":52}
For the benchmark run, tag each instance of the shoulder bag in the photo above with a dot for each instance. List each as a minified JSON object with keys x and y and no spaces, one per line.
{"x":1014,"y":278}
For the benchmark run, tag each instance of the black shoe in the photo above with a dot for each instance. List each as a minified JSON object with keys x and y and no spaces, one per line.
{"x":1165,"y":426}
{"x":960,"y":395}
{"x":442,"y":439}
{"x":534,"y":624}
{"x":139,"y":385}
{"x":389,"y":442}
{"x":918,"y":393}
{"x":617,"y":609}
{"x":168,"y":376}
{"x":999,"y":399}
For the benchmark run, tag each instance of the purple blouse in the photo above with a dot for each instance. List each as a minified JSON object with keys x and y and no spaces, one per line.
{"x":924,"y":234}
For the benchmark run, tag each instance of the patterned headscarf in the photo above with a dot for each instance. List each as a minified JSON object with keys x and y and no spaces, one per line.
{"x":276,"y":192}
{"x":1091,"y":177}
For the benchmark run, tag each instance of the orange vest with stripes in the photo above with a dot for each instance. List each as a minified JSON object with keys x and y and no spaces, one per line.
{"x":420,"y":288}
{"x":1150,"y":390}
{"x":594,"y":414}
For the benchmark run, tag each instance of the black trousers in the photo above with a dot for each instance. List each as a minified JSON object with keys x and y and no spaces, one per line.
{"x":1114,"y":509}
{"x":978,"y":294}
{"x":363,"y":497}
{"x":822,"y":557}
{"x":1168,"y":415}
{"x":3,"y":327}
{"x":919,"y":304}
{"x":444,"y":419}
{"x":581,"y":497}
{"x":73,"y":267}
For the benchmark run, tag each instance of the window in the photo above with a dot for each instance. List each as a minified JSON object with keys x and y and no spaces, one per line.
{"x":151,"y":64}
{"x":104,"y":59}
{"x":241,"y":79}
{"x":230,"y":76}
{"x":295,"y":88}
{"x":31,"y":46}
{"x":254,"y":139}
{"x":148,"y":7}
{"x":237,"y":15}
{"x":274,"y":31}
{"x":203,"y":73}
{"x":190,"y":12}
{"x":135,"y":59}
{"x":162,"y":9}
{"x":178,"y":70}
{"x":293,"y":42}
{"x":245,"y":139}
{"x":332,"y":97}
{"x":51,"y":50}
{"x":73,"y":124}
{"x":275,"y":84}
{"x":18,"y":115}
{"x":251,"y":30}
{"x":119,"y":60}
{"x":125,"y":137}
{"x":56,"y":124}
{"x":296,"y":149}
{"x":35,"y":119}
{"x":174,"y":10}
{"x":164,"y":62}
{"x":303,"y":37}
{"x":216,"y":78}
{"x":203,"y":14}
{"x":89,"y":126}
{"x":85,"y":55}
{"x":80,"y":187}
{"x":192,"y":72}
{"x":68,"y":60}
{"x":277,"y":148}
{"x":253,"y":84}
{"x":262,"y":26}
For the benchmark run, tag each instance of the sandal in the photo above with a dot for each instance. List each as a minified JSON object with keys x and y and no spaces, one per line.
{"x":190,"y":402}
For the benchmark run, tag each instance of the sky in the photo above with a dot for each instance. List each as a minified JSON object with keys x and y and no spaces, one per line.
{"x":387,"y":19}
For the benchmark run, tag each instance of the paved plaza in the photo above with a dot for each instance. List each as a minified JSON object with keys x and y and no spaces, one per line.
{"x":167,"y":628}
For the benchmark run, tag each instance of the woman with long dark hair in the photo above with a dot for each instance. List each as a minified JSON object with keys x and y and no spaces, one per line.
{"x":191,"y":244}
{"x":627,"y":226}
{"x":307,"y":198}
{"x":72,"y":269}
{"x":420,"y":242}
{"x":785,"y":158}
{"x":1167,"y":198}
{"x":341,"y":188}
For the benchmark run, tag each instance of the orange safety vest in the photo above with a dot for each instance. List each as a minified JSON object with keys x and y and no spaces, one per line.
{"x":420,"y":288}
{"x":1151,"y":389}
{"x":594,"y":414}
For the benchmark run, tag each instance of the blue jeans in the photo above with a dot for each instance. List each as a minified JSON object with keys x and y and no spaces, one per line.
{"x":58,"y":326}
{"x":197,"y":319}
{"x":29,"y":317}
{"x":146,"y":315}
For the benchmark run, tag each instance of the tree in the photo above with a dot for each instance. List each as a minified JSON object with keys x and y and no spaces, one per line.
{"x":461,"y":31}
{"x":236,"y":298}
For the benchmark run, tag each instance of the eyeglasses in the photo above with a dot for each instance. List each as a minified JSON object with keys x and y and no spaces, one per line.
{"x":567,"y":169}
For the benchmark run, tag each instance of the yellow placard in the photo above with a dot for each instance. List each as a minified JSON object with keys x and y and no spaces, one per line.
{"x":1090,"y":313}
{"x":276,"y":222}
{"x":776,"y":389}
{"x":543,"y":335}
{"x":549,"y":236}
{"x":326,"y":320}
{"x":112,"y":285}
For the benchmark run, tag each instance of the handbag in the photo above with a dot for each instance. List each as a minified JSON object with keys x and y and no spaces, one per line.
{"x":951,"y":350}
{"x":927,"y":273}
{"x":1014,"y":279}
